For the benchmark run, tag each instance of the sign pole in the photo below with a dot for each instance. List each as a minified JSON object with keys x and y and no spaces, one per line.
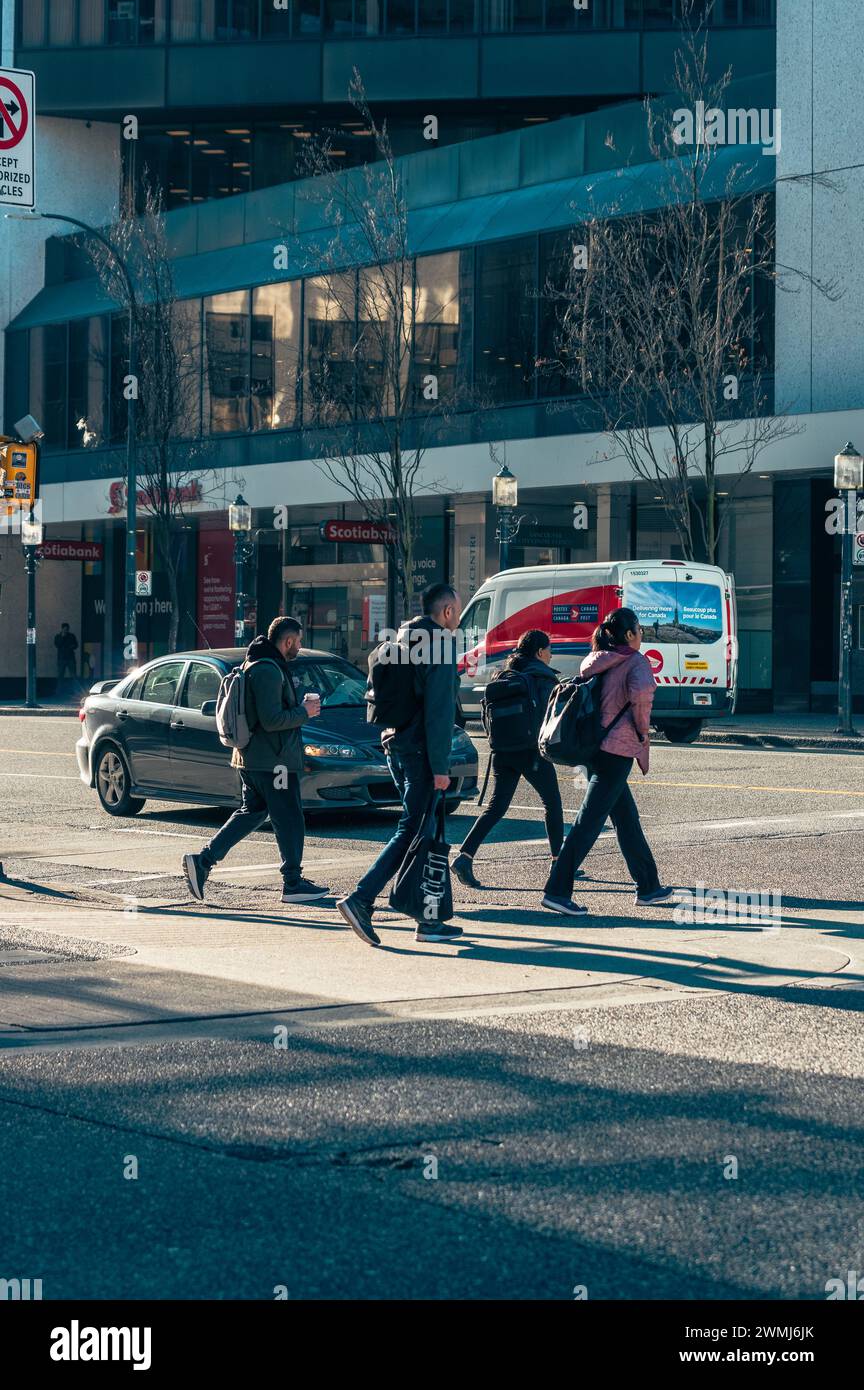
{"x":130,"y":638}
{"x":30,"y":562}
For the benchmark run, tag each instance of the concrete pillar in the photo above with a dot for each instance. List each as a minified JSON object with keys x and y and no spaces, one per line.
{"x":613,"y":521}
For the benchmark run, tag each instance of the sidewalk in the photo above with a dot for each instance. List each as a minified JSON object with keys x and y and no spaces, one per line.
{"x":784,"y":731}
{"x":46,"y":707}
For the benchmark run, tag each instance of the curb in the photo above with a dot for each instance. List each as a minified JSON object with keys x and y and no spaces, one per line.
{"x":833,"y":742}
{"x":45,"y":711}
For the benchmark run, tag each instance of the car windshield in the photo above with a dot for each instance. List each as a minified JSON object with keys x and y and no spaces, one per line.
{"x":338,"y":683}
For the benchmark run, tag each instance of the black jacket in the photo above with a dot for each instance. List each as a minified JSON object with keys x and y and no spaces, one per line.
{"x":275,"y":714}
{"x":436,"y":687}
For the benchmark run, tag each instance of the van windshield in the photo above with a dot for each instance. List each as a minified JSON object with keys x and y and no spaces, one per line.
{"x":677,"y":613}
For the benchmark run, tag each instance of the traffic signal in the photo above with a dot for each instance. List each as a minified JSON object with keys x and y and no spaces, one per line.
{"x":19,"y":474}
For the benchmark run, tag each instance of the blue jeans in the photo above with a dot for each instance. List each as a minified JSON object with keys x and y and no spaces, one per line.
{"x":608,"y":795}
{"x":410,"y":770}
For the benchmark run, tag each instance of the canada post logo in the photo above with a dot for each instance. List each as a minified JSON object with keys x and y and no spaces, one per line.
{"x":575,"y":613}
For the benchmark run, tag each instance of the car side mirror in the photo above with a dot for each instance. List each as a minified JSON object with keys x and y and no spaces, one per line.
{"x":208,"y":707}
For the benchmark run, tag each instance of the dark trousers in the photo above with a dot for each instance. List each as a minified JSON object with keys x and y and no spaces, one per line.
{"x":608,"y":795}
{"x":505,"y":779}
{"x":260,"y":799}
{"x":410,"y":770}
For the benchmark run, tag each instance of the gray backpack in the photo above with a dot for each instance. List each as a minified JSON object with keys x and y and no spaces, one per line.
{"x":231,"y":721}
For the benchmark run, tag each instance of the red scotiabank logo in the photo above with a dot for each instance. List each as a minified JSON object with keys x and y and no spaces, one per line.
{"x":368,"y":532}
{"x":656,"y":659}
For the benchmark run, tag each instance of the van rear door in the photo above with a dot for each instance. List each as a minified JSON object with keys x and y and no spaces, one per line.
{"x":682,"y":609}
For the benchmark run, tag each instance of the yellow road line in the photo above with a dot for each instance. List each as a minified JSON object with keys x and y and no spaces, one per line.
{"x":753,"y":787}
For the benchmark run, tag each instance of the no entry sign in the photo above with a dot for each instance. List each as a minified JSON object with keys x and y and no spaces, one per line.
{"x":17,"y":120}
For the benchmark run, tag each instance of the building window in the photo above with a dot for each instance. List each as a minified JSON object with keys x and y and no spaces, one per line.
{"x":61,"y":23}
{"x":48,"y":382}
{"x":328,"y":344}
{"x":91,"y":21}
{"x":276,"y":319}
{"x":506,"y":310}
{"x":226,"y":362}
{"x":186,"y":336}
{"x":436,"y":327}
{"x":88,"y":382}
{"x":184,"y":20}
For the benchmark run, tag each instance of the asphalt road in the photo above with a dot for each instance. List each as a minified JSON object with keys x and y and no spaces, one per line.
{"x":695,"y":1146}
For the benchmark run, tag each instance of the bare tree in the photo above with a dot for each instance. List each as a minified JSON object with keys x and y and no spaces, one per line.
{"x":172,"y":456}
{"x":378,"y":403}
{"x":658,"y":313}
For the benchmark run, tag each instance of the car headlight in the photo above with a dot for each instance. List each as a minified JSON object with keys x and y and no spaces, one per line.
{"x":331,"y":750}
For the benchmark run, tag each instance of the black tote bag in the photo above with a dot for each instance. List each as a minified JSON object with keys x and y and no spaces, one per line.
{"x":422,"y":887}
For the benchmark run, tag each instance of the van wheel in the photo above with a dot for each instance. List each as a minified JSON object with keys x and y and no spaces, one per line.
{"x":113,"y":782}
{"x":682,"y":730}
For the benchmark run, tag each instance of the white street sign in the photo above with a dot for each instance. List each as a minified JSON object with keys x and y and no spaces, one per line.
{"x":144,"y":583}
{"x":17,"y":123}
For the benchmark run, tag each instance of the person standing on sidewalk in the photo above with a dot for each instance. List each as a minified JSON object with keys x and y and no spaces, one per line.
{"x":418,"y":752}
{"x":270,"y":766}
{"x":530,"y":659}
{"x":66,"y":645}
{"x":627,"y":678}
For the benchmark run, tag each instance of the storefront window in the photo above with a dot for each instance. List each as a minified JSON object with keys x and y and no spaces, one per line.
{"x":226,"y":362}
{"x":329,"y":309}
{"x":436,"y":328}
{"x":275,"y":355}
{"x":506,"y":308}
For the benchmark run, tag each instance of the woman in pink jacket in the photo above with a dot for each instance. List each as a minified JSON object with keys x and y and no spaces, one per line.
{"x":627,"y":678}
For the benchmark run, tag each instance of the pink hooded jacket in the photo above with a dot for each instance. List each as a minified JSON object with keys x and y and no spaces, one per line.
{"x":628,"y":677}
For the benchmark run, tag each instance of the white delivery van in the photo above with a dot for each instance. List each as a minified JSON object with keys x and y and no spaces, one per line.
{"x":687,"y":614}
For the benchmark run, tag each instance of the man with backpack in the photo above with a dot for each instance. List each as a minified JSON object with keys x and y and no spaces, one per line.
{"x":413,"y":694}
{"x":513,"y":709}
{"x":265,"y":722}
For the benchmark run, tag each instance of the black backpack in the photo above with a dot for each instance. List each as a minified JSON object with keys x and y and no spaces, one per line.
{"x":572,"y":731}
{"x":509,"y":713}
{"x":391,"y":699}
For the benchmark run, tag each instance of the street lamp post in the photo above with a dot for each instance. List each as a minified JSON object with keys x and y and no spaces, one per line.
{"x":848,"y":478}
{"x":31,"y":537}
{"x":505,"y":494}
{"x":130,"y":639}
{"x":239,"y":524}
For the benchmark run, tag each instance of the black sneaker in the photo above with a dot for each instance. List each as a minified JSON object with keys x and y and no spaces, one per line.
{"x":304,"y":891}
{"x":463,"y":868}
{"x":565,"y":906}
{"x":358,"y":915}
{"x":437,"y":931}
{"x":196,"y":875}
{"x":654,"y":898}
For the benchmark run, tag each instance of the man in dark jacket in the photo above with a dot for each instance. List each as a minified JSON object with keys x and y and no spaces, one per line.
{"x":66,"y":645}
{"x":418,"y":754}
{"x":270,"y":766}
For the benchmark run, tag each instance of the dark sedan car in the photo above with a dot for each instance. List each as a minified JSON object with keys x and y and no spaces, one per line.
{"x":153,"y":734}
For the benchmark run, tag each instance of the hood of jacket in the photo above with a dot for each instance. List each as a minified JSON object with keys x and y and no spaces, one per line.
{"x":262,"y":649}
{"x":595,"y":663}
{"x":533,"y":667}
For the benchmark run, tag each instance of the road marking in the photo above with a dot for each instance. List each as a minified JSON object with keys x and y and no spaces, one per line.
{"x":36,"y":753}
{"x":43,"y":776}
{"x":753,"y":787}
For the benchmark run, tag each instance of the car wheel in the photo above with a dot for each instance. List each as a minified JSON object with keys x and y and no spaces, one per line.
{"x":682,"y":730}
{"x":113,"y":783}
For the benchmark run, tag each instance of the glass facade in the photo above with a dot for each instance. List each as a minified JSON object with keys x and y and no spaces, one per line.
{"x":64,"y":23}
{"x":324,"y":350}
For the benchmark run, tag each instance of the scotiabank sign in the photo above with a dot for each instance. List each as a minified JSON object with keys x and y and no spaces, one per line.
{"x":147,"y":497}
{"x":357,"y":532}
{"x":70,"y":550}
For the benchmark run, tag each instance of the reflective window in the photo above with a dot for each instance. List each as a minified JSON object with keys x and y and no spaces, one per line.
{"x":504,"y":329}
{"x":201,"y":684}
{"x":436,"y":327}
{"x":329,"y":349}
{"x":186,"y":335}
{"x":275,"y":355}
{"x":48,"y":348}
{"x":160,"y":683}
{"x":61,"y":23}
{"x":475,"y":621}
{"x":91,"y":21}
{"x":88,"y":382}
{"x":226,"y":362}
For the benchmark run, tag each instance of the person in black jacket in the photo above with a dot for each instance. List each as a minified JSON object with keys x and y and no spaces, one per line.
{"x":418,"y":754}
{"x":531,"y":659}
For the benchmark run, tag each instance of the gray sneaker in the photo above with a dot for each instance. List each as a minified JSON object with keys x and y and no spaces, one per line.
{"x":304,"y":891}
{"x":196,"y":875}
{"x":565,"y":906}
{"x":429,"y":931}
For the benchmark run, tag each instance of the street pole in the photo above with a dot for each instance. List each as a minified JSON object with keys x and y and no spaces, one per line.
{"x":848,"y":478}
{"x":504,"y":538}
{"x":844,"y":711}
{"x":30,"y":563}
{"x":238,"y":589}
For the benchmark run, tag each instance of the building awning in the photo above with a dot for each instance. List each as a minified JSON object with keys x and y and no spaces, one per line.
{"x":736,"y":170}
